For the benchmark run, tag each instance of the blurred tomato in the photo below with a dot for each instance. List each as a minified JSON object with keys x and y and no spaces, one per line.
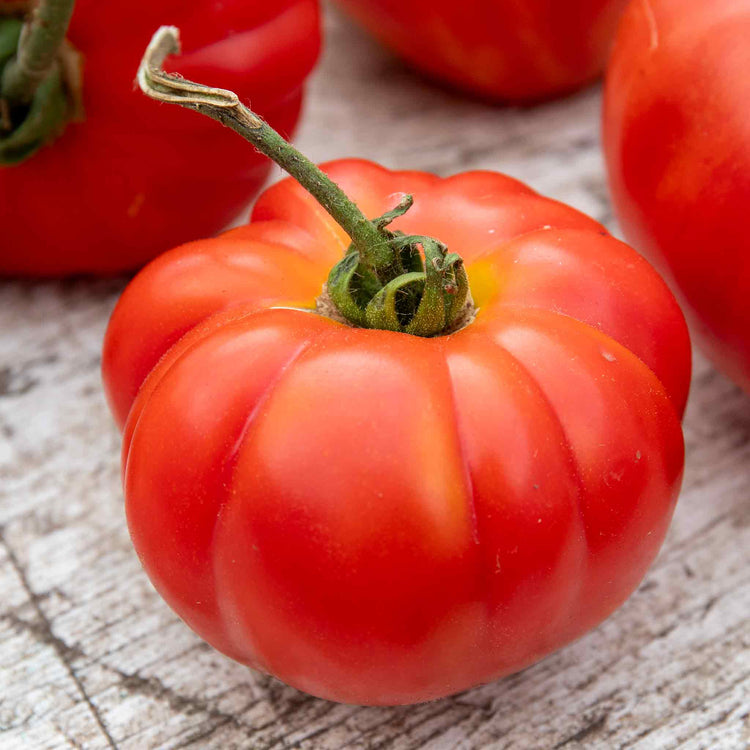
{"x":677,"y":141}
{"x":135,"y":178}
{"x":512,"y":50}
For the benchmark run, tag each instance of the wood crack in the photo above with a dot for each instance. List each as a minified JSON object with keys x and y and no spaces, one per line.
{"x":592,"y":727}
{"x":42,"y":631}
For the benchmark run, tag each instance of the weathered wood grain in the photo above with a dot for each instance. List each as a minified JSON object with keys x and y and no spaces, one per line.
{"x":91,"y":657}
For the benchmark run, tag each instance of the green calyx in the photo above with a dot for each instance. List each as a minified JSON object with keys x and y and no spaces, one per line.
{"x":39,"y":86}
{"x":25,"y":128}
{"x":420,"y":293}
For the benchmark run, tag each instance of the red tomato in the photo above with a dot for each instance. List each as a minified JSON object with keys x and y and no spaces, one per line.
{"x":513,"y":50}
{"x":379,"y":518}
{"x":677,"y":138}
{"x":134,"y":178}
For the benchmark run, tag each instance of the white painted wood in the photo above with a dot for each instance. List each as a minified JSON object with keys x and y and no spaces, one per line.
{"x":91,"y":657}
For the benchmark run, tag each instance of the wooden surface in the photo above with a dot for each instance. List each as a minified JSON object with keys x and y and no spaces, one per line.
{"x":91,"y":657}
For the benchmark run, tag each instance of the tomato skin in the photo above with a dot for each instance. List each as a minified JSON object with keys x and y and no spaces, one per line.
{"x":677,"y":143}
{"x":379,"y":518}
{"x":509,"y":50}
{"x":135,"y":178}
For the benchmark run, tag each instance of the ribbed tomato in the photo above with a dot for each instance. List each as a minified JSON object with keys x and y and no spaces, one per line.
{"x":380,"y":518}
{"x":134,"y":179}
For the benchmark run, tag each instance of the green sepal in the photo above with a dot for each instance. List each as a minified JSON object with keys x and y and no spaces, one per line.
{"x":10,"y":34}
{"x":44,"y":120}
{"x":389,"y":216}
{"x":391,"y":305}
{"x":456,"y":287}
{"x":351,"y":287}
{"x":40,"y":122}
{"x":431,"y":315}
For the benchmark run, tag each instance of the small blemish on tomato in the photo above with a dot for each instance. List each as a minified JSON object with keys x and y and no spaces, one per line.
{"x":135,"y":207}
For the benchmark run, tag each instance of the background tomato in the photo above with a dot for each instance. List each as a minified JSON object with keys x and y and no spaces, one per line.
{"x":514,"y":50}
{"x":381,"y":518}
{"x":677,"y":141}
{"x":134,"y":179}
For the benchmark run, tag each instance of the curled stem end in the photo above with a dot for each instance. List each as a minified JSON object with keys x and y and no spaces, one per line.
{"x":171,"y":89}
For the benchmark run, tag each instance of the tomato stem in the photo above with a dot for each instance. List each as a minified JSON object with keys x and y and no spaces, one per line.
{"x":382,"y":282}
{"x":38,"y":50}
{"x":225,"y":107}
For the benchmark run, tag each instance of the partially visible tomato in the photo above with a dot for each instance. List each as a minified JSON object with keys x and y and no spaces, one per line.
{"x":677,"y":142}
{"x":135,"y":178}
{"x":379,"y":518}
{"x":510,"y":50}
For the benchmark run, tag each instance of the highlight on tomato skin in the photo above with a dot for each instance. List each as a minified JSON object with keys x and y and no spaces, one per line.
{"x":505,"y":50}
{"x":380,"y":518}
{"x":676,"y":127}
{"x":127,"y":179}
